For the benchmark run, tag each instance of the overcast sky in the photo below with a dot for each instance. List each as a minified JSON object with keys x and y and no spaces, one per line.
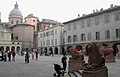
{"x":59,"y":10}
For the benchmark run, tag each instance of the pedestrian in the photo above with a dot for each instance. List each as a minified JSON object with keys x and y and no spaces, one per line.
{"x":13,"y":56}
{"x":64,"y":62}
{"x":9,"y":56}
{"x":2,"y":57}
{"x":27,"y":57}
{"x":36,"y":52}
{"x":32,"y":55}
{"x":5,"y":56}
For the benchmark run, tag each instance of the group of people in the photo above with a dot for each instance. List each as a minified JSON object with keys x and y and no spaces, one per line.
{"x":35,"y":54}
{"x":27,"y":56}
{"x":61,"y":70}
{"x":8,"y":56}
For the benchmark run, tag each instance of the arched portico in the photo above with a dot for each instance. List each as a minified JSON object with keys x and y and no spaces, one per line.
{"x":56,"y":50}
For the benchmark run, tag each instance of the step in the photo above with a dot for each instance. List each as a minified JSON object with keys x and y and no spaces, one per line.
{"x":80,"y":72}
{"x":66,"y":75}
{"x":77,"y":74}
{"x":71,"y":74}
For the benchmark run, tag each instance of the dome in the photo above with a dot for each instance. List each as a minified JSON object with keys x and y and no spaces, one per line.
{"x":15,"y":11}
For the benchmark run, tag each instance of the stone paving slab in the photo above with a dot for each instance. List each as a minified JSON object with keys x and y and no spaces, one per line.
{"x":43,"y":67}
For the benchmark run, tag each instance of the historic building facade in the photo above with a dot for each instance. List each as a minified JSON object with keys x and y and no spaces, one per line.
{"x":99,"y":26}
{"x":6,"y":44}
{"x":50,"y":36}
{"x":31,"y":19}
{"x":23,"y":33}
{"x":15,"y":16}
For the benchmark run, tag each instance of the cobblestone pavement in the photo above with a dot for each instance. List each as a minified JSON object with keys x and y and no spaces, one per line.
{"x":43,"y":67}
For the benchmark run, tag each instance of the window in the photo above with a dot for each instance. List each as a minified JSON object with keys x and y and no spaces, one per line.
{"x":89,"y":22}
{"x":97,"y":19}
{"x":41,"y":43}
{"x":69,"y":38}
{"x":44,"y":34}
{"x":107,"y":34}
{"x":82,"y":23}
{"x":97,"y":35}
{"x":17,"y":22}
{"x":117,"y":16}
{"x":89,"y":36}
{"x":55,"y":31}
{"x":74,"y":38}
{"x":16,"y":37}
{"x":106,"y":18}
{"x":56,"y":41}
{"x":48,"y":42}
{"x":52,"y":32}
{"x":33,"y":20}
{"x":52,"y":42}
{"x":74,"y":25}
{"x":11,"y":22}
{"x":40,"y":35}
{"x":44,"y":43}
{"x":69,"y":27}
{"x":117,"y":33}
{"x":12,"y":36}
{"x":83,"y":38}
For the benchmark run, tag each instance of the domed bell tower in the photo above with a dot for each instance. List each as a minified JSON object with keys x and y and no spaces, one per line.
{"x":15,"y":16}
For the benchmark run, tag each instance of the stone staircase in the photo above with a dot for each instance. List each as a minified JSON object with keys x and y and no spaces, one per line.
{"x":74,"y":74}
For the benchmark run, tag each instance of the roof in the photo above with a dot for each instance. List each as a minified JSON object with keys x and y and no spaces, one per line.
{"x":115,"y":8}
{"x":22,"y":24}
{"x":15,"y":11}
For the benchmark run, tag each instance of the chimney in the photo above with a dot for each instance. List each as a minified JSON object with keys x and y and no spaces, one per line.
{"x":96,"y":10}
{"x":93,"y":11}
{"x":78,"y":15}
{"x":83,"y":15}
{"x":111,"y":6}
{"x":101,"y":9}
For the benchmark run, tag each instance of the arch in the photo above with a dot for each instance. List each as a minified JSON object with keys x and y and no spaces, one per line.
{"x":79,"y":46}
{"x":18,"y":49}
{"x":51,"y":50}
{"x":13,"y":49}
{"x":2,"y":48}
{"x":56,"y":50}
{"x":7,"y":48}
{"x":115,"y":48}
{"x":63,"y":51}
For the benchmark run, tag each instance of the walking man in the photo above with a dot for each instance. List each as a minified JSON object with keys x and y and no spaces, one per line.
{"x":64,"y":62}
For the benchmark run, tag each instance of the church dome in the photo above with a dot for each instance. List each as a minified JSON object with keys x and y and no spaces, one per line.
{"x":15,"y":11}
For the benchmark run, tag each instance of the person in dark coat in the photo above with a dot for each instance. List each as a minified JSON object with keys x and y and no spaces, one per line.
{"x":36,"y":53}
{"x":13,"y":56}
{"x":27,"y":57}
{"x":2,"y":57}
{"x":9,"y":56}
{"x":64,"y":62}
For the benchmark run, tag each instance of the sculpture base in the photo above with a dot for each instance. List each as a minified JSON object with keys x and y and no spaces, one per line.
{"x":101,"y":72}
{"x":118,"y":55}
{"x":75,"y":65}
{"x":110,"y":59}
